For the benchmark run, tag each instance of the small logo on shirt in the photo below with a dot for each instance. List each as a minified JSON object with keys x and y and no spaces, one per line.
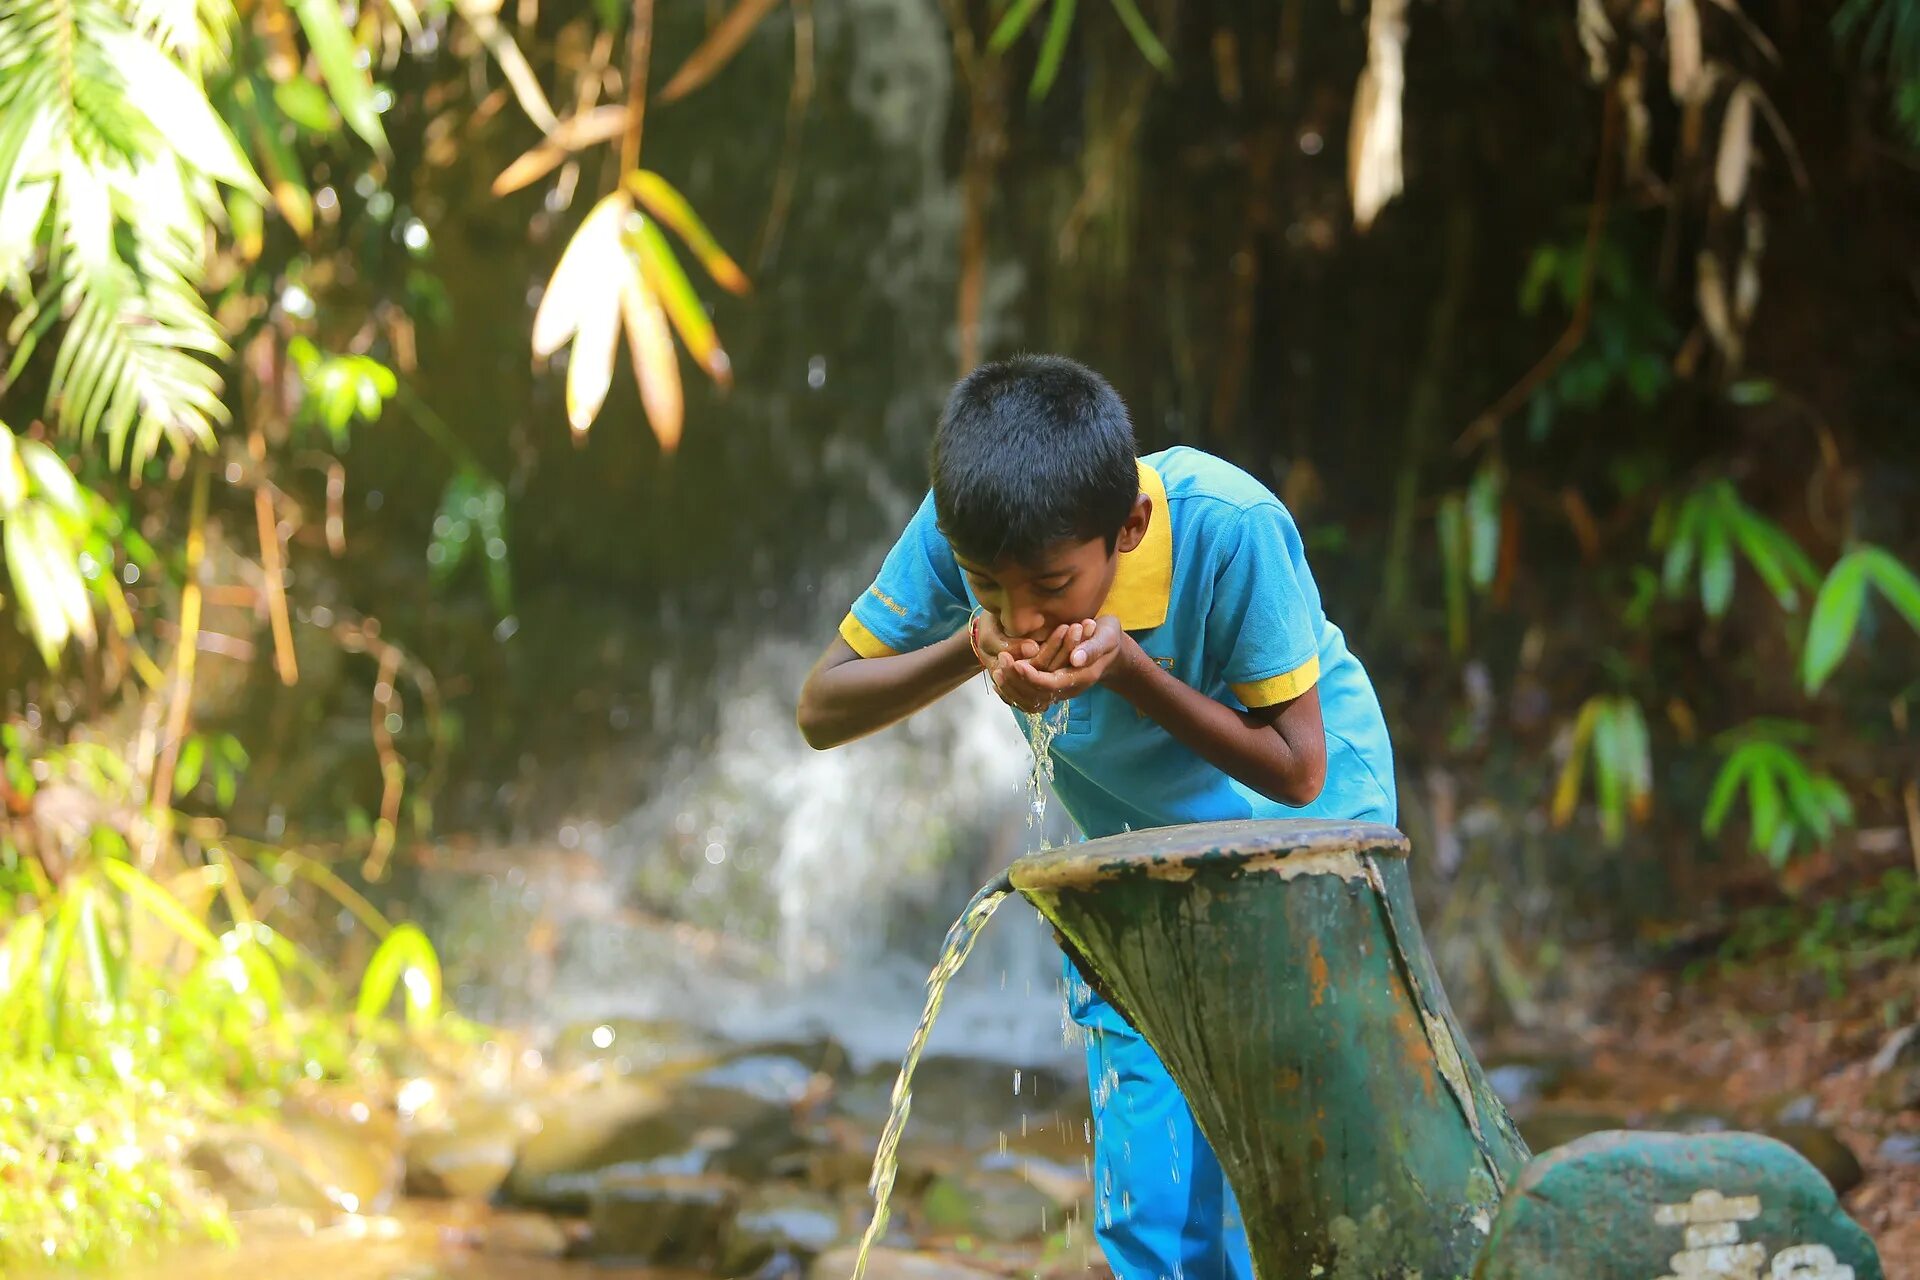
{"x":889,"y":601}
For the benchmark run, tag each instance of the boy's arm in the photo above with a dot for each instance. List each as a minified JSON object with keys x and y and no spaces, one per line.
{"x":847,"y":696}
{"x":1280,"y":751}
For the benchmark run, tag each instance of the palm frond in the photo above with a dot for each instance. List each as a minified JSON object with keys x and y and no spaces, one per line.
{"x":109,"y":145}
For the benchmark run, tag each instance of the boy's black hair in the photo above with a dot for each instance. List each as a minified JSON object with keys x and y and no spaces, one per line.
{"x":1031,"y":451}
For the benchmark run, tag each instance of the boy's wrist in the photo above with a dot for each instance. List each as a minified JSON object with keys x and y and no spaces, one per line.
{"x":1131,"y":666}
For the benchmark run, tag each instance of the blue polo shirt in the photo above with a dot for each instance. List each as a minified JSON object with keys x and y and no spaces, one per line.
{"x":1218,"y":592}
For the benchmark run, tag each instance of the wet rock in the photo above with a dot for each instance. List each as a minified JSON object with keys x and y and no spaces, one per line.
{"x":635,"y":1047}
{"x":468,"y":1157}
{"x":1803,"y":1109}
{"x":523,"y":1235}
{"x":1901,"y":1149}
{"x":893,"y":1264}
{"x":667,"y":1220}
{"x":634,"y":1128}
{"x":775,"y":1222}
{"x":1555,"y":1127}
{"x":1896,"y":1071}
{"x":1653,"y":1204}
{"x":258,"y":1170}
{"x":994,"y":1204}
{"x":1823,"y":1149}
{"x":1065,"y":1185}
{"x":771,"y":1077}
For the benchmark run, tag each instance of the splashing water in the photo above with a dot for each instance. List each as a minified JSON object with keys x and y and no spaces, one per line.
{"x":886,"y":1158}
{"x":1041,"y":728}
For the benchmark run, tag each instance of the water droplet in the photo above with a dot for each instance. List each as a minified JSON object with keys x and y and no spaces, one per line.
{"x":1016,"y":1082}
{"x":716,"y":853}
{"x":130,"y":573}
{"x":326,"y":200}
{"x":602,"y":1036}
{"x":505,"y":631}
{"x":817,"y":372}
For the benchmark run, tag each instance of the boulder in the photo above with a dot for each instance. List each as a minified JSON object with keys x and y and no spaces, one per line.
{"x":776,"y":1221}
{"x":468,"y":1156}
{"x":993,"y":1204}
{"x":664,"y":1220}
{"x":1656,"y":1206}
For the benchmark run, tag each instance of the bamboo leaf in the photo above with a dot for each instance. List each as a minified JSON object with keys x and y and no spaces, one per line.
{"x":718,"y":48}
{"x":13,"y":474}
{"x":1143,"y":38}
{"x":575,"y":133}
{"x":669,"y":283}
{"x":668,"y":205}
{"x":656,"y":365}
{"x":1053,"y":48}
{"x":1011,"y":24}
{"x":186,"y":772}
{"x":1566,"y":792}
{"x":1836,"y":611}
{"x":325,"y":25}
{"x":1726,"y":786}
{"x":406,"y":959}
{"x":590,"y":365}
{"x":161,"y":905}
{"x":307,"y":105}
{"x":1716,"y":566}
{"x":1734,"y":158}
{"x":51,"y":479}
{"x":586,"y":266}
{"x":1896,"y":582}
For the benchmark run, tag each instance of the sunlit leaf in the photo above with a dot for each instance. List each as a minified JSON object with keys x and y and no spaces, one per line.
{"x":157,"y":87}
{"x":589,"y":265}
{"x":1726,"y":788}
{"x":22,"y":214}
{"x":13,"y":473}
{"x":656,"y":365}
{"x":306,"y":104}
{"x":325,"y":25}
{"x":590,"y":363}
{"x":51,"y":479}
{"x":186,"y":771}
{"x":1895,"y":581}
{"x":575,"y":133}
{"x":668,"y":205}
{"x":718,"y":48}
{"x":1836,"y":611}
{"x":1566,"y":791}
{"x":405,"y":960}
{"x":669,"y":283}
{"x":161,"y":905}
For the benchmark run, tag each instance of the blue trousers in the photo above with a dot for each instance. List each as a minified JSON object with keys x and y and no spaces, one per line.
{"x":1162,"y":1208}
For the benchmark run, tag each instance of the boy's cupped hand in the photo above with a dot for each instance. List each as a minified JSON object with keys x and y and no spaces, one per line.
{"x":1032,"y":675}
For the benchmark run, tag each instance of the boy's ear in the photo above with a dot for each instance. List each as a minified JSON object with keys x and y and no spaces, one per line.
{"x":1136,"y":526}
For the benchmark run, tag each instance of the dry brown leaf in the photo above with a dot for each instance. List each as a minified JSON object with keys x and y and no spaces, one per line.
{"x":656,"y":365}
{"x":584,"y":265}
{"x":1746,"y":281}
{"x":718,"y":48}
{"x":1596,"y":36}
{"x":1684,"y":62}
{"x":575,"y":133}
{"x":1374,"y":174}
{"x":1710,"y":293}
{"x":1734,"y":160}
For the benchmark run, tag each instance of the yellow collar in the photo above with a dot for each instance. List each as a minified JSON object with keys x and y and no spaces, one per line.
{"x":1143,"y":582}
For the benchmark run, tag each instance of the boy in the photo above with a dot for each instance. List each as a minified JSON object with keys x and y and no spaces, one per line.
{"x":1167,"y":601}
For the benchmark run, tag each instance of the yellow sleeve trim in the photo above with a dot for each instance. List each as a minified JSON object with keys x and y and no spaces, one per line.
{"x":862,"y":641}
{"x":1281,"y":688}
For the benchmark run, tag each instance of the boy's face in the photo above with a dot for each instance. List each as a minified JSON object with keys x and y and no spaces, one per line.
{"x":1067,"y":583}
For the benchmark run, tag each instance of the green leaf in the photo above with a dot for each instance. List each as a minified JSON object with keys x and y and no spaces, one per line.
{"x":1716,"y":566}
{"x":1053,"y":49}
{"x":1483,"y":525}
{"x":1895,"y":581}
{"x":1774,"y":556}
{"x":324,"y":22}
{"x":1763,"y":799}
{"x":161,"y":905}
{"x":405,"y":959}
{"x":1682,"y":547}
{"x":1726,"y":787}
{"x":51,"y":479}
{"x":1011,"y":24}
{"x":1143,"y":38}
{"x":13,"y":474}
{"x":186,"y":771}
{"x":178,"y":107}
{"x":667,"y":204}
{"x":1836,"y":611}
{"x":306,"y":104}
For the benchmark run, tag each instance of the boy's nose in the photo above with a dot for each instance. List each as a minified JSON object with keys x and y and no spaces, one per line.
{"x":1030,"y":623}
